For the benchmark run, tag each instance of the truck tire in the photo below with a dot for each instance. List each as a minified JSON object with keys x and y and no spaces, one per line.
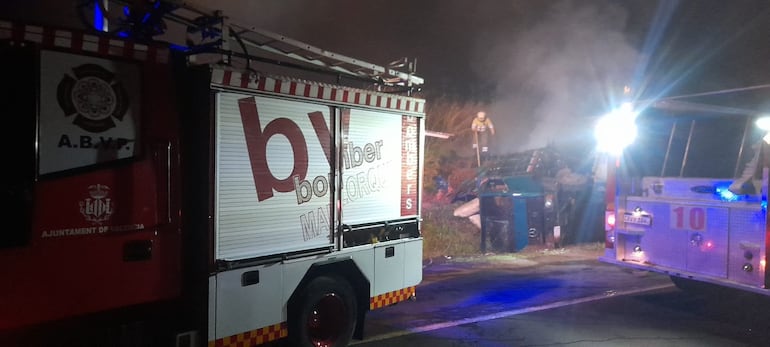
{"x":326,"y":314}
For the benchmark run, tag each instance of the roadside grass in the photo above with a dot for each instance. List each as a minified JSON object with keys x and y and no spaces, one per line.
{"x":446,"y":235}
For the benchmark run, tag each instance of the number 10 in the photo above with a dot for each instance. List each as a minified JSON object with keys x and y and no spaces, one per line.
{"x":691,"y":218}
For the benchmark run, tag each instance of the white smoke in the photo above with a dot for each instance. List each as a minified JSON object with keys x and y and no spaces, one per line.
{"x":559,"y":73}
{"x":556,"y":65}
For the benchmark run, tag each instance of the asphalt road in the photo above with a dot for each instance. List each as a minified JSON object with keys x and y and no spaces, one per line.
{"x":563,"y":298}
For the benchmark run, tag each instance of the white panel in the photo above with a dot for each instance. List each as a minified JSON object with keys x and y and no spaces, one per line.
{"x":245,"y":308}
{"x":747,"y":244}
{"x":660,"y":244}
{"x":285,"y":88}
{"x":371,"y":176}
{"x":300,"y":90}
{"x":688,"y":235}
{"x":413,"y":262}
{"x":98,"y":118}
{"x":387,"y":270}
{"x":34,"y":37}
{"x":212,"y":308}
{"x":269,"y":84}
{"x":294,"y":270}
{"x":364,"y":259}
{"x":681,"y":188}
{"x":287,"y":219}
{"x":327,"y":94}
{"x":709,"y":257}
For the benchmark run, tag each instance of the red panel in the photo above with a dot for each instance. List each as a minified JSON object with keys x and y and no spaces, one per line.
{"x":75,"y":263}
{"x":409,"y":165}
{"x":83,"y":224}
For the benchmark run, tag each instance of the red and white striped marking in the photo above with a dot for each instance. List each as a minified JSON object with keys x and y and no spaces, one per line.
{"x":312,"y":90}
{"x":79,"y":42}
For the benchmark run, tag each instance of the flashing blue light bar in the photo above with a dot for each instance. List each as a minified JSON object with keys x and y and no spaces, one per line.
{"x":98,"y":17}
{"x":180,"y":48}
{"x":724,"y":193}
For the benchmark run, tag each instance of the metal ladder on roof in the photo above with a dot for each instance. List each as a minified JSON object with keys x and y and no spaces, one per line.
{"x":212,"y":35}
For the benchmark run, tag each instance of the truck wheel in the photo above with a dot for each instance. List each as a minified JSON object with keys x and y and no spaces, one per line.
{"x":326,"y":314}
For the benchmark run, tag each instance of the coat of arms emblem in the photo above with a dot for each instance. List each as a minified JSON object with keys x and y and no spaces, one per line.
{"x":99,"y":207}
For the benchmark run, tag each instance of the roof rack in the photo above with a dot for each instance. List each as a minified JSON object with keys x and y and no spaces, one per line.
{"x":213,"y":37}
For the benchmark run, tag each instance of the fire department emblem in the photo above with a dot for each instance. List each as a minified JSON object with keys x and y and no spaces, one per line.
{"x":93,"y":96}
{"x":99,"y":207}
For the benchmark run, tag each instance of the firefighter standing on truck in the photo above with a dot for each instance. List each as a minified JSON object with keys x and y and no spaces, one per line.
{"x":482,"y":127}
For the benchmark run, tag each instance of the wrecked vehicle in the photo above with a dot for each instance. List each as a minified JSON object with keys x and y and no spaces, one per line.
{"x":530,"y":197}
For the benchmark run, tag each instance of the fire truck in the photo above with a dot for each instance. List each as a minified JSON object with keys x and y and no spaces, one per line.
{"x":688,"y":197}
{"x":230,"y":188}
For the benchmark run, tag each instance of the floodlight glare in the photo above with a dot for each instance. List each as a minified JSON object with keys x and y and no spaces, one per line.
{"x":763,"y":123}
{"x":616,"y":130}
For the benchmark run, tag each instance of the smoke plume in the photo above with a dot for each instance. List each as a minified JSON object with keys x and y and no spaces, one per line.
{"x":557,"y":75}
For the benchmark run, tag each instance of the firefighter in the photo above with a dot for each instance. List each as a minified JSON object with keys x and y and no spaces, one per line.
{"x":482,"y":127}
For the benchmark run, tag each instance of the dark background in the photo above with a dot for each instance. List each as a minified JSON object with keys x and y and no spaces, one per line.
{"x":545,"y":69}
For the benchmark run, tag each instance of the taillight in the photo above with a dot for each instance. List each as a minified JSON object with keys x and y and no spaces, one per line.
{"x":609,"y":221}
{"x":609,"y":228}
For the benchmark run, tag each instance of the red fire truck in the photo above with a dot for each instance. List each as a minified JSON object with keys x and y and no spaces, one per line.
{"x":238,"y":189}
{"x":688,"y":197}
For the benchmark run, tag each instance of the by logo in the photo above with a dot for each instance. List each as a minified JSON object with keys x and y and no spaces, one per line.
{"x":93,"y":96}
{"x":256,"y":140}
{"x":99,"y":207}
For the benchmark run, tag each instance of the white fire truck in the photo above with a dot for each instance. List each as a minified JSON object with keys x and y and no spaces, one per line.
{"x":688,"y":197}
{"x":238,"y":189}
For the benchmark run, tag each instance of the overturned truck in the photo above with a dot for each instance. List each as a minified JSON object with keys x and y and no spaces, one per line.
{"x":530,"y":197}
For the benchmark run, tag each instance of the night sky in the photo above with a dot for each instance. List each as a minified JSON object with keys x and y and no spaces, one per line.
{"x":546,"y":69}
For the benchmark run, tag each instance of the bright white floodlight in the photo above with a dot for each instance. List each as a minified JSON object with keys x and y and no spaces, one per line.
{"x":763,"y":123}
{"x":616,"y":130}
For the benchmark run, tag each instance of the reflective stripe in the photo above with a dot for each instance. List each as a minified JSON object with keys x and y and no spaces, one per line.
{"x":254,"y":337}
{"x":313,"y":90}
{"x":391,"y":298}
{"x":78,"y":42}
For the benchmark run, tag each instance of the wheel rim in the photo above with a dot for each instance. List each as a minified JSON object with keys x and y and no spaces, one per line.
{"x":327,"y":320}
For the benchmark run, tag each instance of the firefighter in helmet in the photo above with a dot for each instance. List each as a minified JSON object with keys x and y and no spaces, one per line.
{"x":482,"y":128}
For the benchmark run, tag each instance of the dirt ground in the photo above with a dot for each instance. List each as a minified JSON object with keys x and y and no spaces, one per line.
{"x":531,"y":255}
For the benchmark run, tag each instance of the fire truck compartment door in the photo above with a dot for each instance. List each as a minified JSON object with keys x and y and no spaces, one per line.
{"x":246,"y":298}
{"x":689,"y":236}
{"x":273,"y":176}
{"x":380,"y":167}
